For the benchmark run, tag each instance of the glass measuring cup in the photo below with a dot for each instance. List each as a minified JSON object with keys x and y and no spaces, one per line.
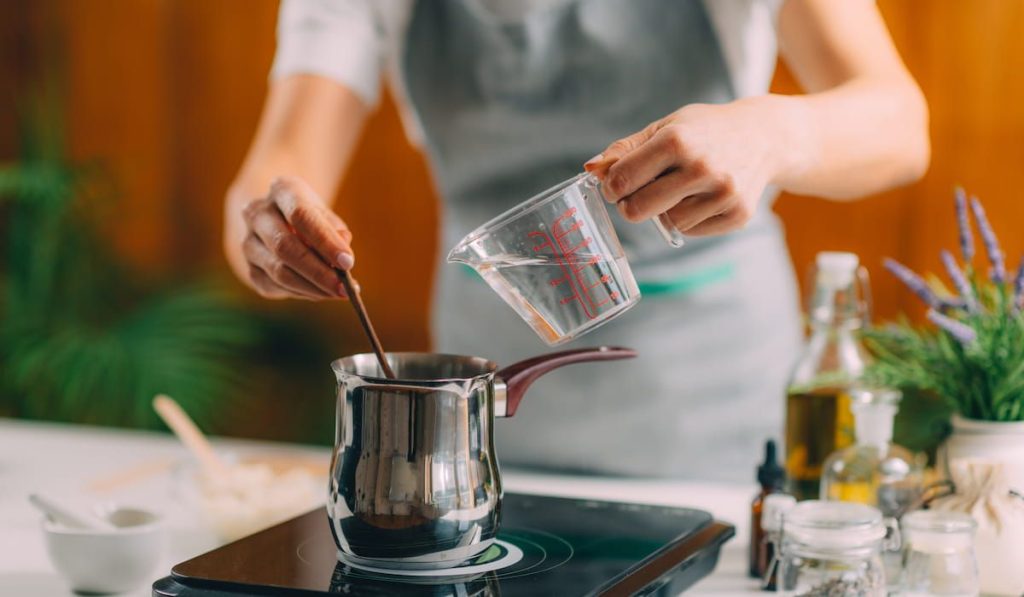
{"x":556,"y":260}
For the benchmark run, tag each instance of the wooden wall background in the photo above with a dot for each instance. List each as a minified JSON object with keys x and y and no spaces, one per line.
{"x":167,"y":92}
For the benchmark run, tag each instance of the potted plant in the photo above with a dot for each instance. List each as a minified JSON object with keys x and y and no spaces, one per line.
{"x":83,"y":337}
{"x":972,"y":356}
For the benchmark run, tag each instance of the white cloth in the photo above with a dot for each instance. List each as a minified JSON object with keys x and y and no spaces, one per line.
{"x":358,"y":42}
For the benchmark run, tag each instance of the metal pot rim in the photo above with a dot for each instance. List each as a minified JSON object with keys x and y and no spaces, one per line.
{"x":347,"y":366}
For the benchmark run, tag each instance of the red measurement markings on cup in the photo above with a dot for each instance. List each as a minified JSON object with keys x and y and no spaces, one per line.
{"x":571,"y":265}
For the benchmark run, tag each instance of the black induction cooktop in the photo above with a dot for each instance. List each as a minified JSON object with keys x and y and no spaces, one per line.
{"x":547,"y":546}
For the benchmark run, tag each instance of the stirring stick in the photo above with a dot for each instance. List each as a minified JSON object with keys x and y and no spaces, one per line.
{"x":183,"y":427}
{"x":364,"y":319}
{"x":131,"y":475}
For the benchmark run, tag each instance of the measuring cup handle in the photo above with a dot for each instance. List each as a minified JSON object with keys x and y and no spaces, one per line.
{"x":668,"y":231}
{"x":662,"y":222}
{"x":519,"y":376}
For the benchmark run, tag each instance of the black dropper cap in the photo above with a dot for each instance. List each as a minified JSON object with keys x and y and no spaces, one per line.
{"x":769,"y":473}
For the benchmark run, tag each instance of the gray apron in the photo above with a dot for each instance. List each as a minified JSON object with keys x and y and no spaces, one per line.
{"x":513,"y":105}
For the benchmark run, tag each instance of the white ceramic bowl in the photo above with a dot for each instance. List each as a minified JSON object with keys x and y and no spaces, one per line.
{"x":108,"y":561}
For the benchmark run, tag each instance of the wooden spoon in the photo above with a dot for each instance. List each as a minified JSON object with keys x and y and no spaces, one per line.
{"x":185,"y":428}
{"x":364,"y":320}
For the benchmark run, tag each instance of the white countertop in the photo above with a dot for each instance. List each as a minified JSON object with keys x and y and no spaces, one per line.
{"x":80,"y":463}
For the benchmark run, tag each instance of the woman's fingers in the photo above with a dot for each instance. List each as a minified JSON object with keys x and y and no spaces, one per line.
{"x":307,"y":216}
{"x":279,"y":272}
{"x":273,"y":246}
{"x":729,"y":221}
{"x":295,"y":244}
{"x":600,"y":164}
{"x":694,"y":210}
{"x":265,"y":285}
{"x":661,"y":195}
{"x":340,"y":226}
{"x":636,"y":169}
{"x":271,"y":289}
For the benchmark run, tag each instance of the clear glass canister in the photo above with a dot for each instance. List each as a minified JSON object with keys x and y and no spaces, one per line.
{"x":833,"y":549}
{"x":939,"y":556}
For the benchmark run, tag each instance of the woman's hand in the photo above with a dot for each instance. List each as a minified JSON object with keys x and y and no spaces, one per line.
{"x":292,"y":242}
{"x":861,"y":128}
{"x":705,"y":165}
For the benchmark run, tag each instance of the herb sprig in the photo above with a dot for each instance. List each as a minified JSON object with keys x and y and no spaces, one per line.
{"x":973,"y":357}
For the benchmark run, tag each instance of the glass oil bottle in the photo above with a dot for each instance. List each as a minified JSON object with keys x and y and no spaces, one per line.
{"x":818,"y":417}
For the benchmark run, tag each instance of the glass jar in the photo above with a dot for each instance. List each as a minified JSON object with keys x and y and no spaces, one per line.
{"x":874,"y":471}
{"x":834,"y":549}
{"x":939,"y":554}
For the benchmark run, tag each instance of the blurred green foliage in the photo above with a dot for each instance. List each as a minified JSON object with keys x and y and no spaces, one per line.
{"x":971,"y":361}
{"x":979,"y":378}
{"x":83,"y":338}
{"x":982,"y":379}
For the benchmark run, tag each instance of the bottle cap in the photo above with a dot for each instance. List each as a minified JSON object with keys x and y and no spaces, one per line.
{"x":836,"y":269}
{"x":841,"y":293}
{"x":769,"y":473}
{"x":775,"y":504}
{"x":873,"y":412}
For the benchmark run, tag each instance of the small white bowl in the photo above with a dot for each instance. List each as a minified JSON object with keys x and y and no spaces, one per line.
{"x":112,"y":561}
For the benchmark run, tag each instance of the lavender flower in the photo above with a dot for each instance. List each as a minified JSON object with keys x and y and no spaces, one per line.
{"x":964,"y":224}
{"x":914,"y":282}
{"x":988,"y":236}
{"x":952,"y":303}
{"x":1018,"y":286}
{"x":960,"y":281}
{"x":963,"y":333}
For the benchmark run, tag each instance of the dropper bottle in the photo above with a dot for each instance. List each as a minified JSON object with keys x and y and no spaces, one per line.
{"x":772,"y":478}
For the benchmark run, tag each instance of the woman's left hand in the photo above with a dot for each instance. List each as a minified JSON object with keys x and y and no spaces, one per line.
{"x":705,"y":165}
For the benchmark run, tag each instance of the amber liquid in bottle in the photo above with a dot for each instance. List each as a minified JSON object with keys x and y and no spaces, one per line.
{"x":818,"y":422}
{"x":772,"y":478}
{"x":756,"y":569}
{"x":818,"y":417}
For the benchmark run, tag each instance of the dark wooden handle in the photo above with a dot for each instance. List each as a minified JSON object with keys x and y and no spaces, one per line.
{"x":364,"y":319}
{"x":519,"y":376}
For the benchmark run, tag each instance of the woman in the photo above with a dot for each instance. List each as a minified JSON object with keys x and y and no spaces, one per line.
{"x":510,"y":97}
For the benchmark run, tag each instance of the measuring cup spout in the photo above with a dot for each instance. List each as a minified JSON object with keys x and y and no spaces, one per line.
{"x":460,"y":253}
{"x":511,"y":383}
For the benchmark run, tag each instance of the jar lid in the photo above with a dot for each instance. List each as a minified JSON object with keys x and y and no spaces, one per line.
{"x":941,"y":521}
{"x":775,"y":504}
{"x":938,"y":531}
{"x":833,"y":525}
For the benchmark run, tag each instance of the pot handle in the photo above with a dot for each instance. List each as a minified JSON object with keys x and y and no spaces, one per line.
{"x":518,"y":377}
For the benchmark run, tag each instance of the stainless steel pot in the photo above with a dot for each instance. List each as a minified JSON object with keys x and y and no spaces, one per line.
{"x":414,"y":478}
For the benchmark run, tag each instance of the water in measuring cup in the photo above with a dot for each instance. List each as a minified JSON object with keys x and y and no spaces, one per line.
{"x":561,"y":298}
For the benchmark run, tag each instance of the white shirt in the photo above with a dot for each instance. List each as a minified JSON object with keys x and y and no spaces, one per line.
{"x":357,"y":42}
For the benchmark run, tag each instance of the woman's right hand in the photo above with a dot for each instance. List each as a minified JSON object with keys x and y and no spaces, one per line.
{"x":292,"y":244}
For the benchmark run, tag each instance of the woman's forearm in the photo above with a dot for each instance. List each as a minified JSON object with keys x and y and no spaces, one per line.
{"x":863,"y":125}
{"x":308,"y":130}
{"x":858,"y":138}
